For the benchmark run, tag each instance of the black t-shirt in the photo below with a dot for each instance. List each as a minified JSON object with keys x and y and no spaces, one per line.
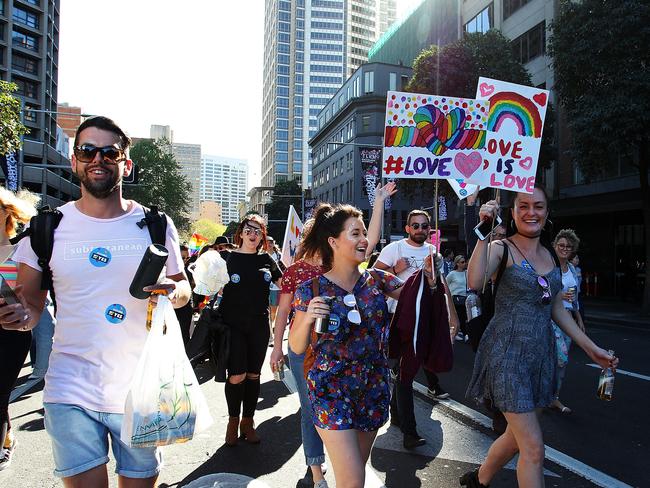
{"x":247,"y":293}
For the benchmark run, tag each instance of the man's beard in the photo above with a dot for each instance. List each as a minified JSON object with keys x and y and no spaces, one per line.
{"x":418,"y":238}
{"x":100,"y":189}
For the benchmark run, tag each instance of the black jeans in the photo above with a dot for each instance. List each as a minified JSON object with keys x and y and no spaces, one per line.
{"x":14,"y":347}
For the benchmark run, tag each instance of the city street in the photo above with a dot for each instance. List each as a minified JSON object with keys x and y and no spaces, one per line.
{"x":603,"y":442}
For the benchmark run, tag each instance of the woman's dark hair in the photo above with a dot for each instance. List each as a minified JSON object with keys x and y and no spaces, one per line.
{"x":547,"y":232}
{"x":258,"y":220}
{"x":328,"y":222}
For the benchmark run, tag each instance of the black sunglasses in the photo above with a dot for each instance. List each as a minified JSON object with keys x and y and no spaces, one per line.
{"x":417,"y":225}
{"x":87,"y":152}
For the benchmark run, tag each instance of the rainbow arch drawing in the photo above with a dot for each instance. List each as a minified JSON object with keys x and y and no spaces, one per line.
{"x":518,"y":109}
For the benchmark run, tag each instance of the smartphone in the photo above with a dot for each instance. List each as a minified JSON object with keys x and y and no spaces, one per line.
{"x":7,"y":292}
{"x":485,"y":227}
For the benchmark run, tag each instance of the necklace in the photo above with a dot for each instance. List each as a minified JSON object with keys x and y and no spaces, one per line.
{"x":524,"y":256}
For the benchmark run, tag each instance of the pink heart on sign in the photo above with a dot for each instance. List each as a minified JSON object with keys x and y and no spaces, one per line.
{"x":468,"y":164}
{"x":486,"y":90}
{"x":526,"y":163}
{"x":390,"y":104}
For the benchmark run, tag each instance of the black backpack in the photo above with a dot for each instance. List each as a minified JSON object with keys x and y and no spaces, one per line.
{"x":44,"y":223}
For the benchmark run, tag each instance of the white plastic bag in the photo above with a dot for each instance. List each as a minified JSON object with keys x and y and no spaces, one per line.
{"x":165,"y":404}
{"x":210,"y":273}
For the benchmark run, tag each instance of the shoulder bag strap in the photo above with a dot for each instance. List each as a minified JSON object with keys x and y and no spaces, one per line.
{"x":315,"y":288}
{"x":502,"y":267}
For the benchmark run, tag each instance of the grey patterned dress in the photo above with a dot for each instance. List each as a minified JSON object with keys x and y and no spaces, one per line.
{"x":515,"y":365}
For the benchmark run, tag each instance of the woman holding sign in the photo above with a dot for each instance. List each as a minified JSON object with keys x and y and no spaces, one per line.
{"x":515,"y":366}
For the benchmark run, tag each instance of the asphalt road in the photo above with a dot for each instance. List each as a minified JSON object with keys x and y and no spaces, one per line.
{"x":608,"y":436}
{"x":612,"y":437}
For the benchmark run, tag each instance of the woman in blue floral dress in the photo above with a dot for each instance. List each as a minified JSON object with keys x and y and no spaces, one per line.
{"x":348,"y":382}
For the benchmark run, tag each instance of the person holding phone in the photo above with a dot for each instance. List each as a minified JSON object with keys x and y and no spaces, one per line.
{"x":245,"y":308}
{"x":515,"y":365}
{"x":14,"y":344}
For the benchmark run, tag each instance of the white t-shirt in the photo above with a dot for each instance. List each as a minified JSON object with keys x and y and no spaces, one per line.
{"x":457,"y":282}
{"x":100,"y":330}
{"x":394,"y":251}
{"x":569,"y":280}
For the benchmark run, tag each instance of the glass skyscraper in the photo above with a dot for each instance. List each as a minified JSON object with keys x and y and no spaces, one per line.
{"x":310,"y":48}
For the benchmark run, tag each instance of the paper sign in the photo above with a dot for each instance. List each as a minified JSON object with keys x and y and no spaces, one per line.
{"x":462,"y":188}
{"x":515,"y":124}
{"x":291,"y":237}
{"x":433,"y":137}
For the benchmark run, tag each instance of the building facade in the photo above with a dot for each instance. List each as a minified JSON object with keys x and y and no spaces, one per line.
{"x":210,"y":211}
{"x":188,"y":157}
{"x":29,"y":56}
{"x":347,"y":145}
{"x":224,"y":181}
{"x":310,"y":47}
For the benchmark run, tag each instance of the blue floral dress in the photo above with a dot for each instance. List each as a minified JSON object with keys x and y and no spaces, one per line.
{"x":348,"y":383}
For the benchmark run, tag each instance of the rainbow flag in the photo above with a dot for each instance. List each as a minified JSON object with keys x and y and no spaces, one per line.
{"x":197,"y":241}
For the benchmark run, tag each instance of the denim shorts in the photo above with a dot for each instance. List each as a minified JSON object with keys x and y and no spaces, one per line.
{"x":80,"y":443}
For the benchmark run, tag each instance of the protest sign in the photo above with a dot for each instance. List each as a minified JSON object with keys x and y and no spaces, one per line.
{"x":370,"y":159}
{"x":291,"y":237}
{"x":462,"y":188}
{"x":515,"y":124}
{"x":433,"y":137}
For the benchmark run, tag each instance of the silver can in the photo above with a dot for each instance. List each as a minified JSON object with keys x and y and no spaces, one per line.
{"x":278,"y":374}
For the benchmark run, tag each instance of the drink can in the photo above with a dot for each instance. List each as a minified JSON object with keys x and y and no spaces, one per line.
{"x":321,"y":325}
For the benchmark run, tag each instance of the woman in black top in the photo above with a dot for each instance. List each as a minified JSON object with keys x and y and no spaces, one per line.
{"x":245,"y":308}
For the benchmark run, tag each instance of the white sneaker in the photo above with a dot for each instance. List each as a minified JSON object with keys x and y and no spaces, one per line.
{"x":460,"y":337}
{"x":5,"y":455}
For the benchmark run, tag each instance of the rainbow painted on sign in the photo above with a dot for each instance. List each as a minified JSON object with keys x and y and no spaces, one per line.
{"x":515,"y":108}
{"x":436,"y":131}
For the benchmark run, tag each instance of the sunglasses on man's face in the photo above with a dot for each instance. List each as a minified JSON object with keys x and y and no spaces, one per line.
{"x":85,"y":153}
{"x":417,"y":226}
{"x":546,"y":289}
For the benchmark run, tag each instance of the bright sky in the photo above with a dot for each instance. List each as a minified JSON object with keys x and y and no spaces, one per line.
{"x":194,"y":65}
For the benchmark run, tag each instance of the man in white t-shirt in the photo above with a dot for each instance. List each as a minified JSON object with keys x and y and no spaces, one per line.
{"x":403,"y":258}
{"x":100,"y":331}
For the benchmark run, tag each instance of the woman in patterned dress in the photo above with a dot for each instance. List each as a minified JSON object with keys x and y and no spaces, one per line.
{"x":348,"y":382}
{"x":515,"y":365}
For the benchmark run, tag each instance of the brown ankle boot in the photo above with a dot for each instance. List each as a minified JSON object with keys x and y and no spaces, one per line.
{"x":231,"y":431}
{"x":247,"y":430}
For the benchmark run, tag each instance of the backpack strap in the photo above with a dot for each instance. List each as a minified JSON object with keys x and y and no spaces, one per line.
{"x":156,"y":222}
{"x":41,"y":235}
{"x":315,"y":288}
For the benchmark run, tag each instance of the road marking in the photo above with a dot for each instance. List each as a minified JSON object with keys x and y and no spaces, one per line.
{"x":626,"y":373}
{"x":591,"y":474}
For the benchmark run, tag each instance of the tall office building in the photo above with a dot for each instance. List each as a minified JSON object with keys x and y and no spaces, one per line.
{"x":224,"y":181}
{"x":188,"y":157}
{"x":29,"y":56}
{"x":310,"y":48}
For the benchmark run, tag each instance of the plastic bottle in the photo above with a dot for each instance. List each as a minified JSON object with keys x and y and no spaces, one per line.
{"x":473,"y":305}
{"x":606,"y":383}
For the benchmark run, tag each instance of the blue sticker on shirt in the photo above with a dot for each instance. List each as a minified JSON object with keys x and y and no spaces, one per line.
{"x":99,"y":257}
{"x":267,"y":276}
{"x":334,"y":324}
{"x":235,"y":278}
{"x":115,"y":313}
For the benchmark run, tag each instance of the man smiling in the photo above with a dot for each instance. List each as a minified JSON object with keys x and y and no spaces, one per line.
{"x":100,"y":330}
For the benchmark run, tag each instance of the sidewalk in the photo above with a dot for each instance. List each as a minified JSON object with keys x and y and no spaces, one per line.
{"x":614,"y":312}
{"x":454,"y":445}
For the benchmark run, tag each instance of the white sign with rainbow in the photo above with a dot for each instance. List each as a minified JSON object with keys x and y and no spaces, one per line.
{"x":514,"y":135}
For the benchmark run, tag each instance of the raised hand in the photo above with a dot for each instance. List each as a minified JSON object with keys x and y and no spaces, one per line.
{"x":388,"y":190}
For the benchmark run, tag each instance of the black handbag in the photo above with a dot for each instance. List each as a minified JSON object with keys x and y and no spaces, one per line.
{"x":459,"y":300}
{"x":209,"y":321}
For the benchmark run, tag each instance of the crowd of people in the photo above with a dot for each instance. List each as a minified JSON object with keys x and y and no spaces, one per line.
{"x":358,"y":333}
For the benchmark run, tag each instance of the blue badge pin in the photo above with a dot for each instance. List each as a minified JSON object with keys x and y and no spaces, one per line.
{"x":115,"y":313}
{"x":235,"y":278}
{"x":99,"y":257}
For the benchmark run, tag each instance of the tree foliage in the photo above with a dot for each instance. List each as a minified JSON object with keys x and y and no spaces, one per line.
{"x":11,"y":127}
{"x":601,"y":60}
{"x":207,"y":228}
{"x":285,"y":193}
{"x":453,"y":70}
{"x":160,"y":181}
{"x":231,"y":228}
